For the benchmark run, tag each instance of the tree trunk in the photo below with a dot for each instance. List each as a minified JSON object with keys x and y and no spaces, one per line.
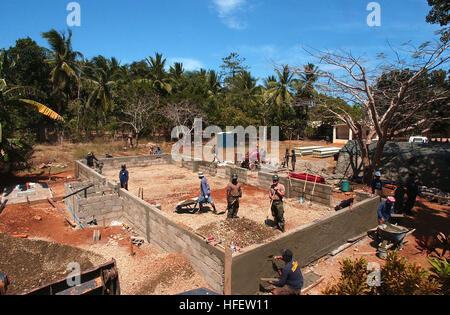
{"x":137,"y":140}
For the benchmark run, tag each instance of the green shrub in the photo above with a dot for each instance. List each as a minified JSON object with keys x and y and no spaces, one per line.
{"x":397,"y":278}
{"x":441,"y":272}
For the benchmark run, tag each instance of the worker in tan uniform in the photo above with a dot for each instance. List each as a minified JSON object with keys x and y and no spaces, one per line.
{"x":276,"y":193}
{"x":234,"y":193}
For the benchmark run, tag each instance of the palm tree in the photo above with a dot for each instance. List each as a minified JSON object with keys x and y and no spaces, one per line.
{"x":64,"y":59}
{"x":176,"y":76}
{"x":158,"y":75}
{"x":102,"y":74}
{"x":308,"y":80}
{"x":12,"y":94}
{"x":278,"y":90}
{"x":213,"y":83}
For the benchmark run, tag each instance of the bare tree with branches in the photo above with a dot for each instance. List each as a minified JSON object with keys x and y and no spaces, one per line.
{"x":139,"y":111}
{"x":388,"y":110}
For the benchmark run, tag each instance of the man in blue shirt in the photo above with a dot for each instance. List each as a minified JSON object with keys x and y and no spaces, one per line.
{"x":291,"y":277}
{"x":124,"y":177}
{"x":205,"y":197}
{"x":376,"y":184}
{"x":385,"y":210}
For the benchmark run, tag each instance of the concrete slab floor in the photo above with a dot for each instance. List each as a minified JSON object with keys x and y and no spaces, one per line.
{"x":167,"y":185}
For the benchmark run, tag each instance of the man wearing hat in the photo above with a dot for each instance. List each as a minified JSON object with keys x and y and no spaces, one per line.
{"x":376,"y":184}
{"x":291,"y":277}
{"x":234,"y":192}
{"x":386,"y":210}
{"x":205,"y":197}
{"x":90,"y":159}
{"x":276,"y":193}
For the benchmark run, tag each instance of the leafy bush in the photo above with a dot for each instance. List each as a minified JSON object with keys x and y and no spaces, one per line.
{"x":441,"y":272}
{"x":397,"y":278}
{"x":353,"y":280}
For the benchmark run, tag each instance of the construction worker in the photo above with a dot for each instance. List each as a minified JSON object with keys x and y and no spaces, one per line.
{"x":291,"y":277}
{"x":412,"y":193}
{"x":205,"y":197}
{"x":294,"y":160}
{"x":234,"y":192}
{"x":399,"y":199}
{"x":4,"y":282}
{"x":124,"y":177}
{"x":90,"y":159}
{"x":376,"y":184}
{"x":385,"y":210}
{"x":276,"y":193}
{"x":286,"y":158}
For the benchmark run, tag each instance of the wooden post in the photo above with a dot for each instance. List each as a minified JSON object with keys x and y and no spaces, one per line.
{"x":228,"y":264}
{"x":131,"y":248}
{"x":104,"y":223}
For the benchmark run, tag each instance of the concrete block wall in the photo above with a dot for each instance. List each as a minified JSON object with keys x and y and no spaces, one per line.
{"x":241,"y":172}
{"x":83,"y":172}
{"x":159,"y":230}
{"x":322,"y":193}
{"x":308,"y":243}
{"x":207,"y":167}
{"x":294,"y":188}
{"x":136,"y":161}
{"x":102,"y":202}
{"x":362,"y":195}
{"x":108,"y":207}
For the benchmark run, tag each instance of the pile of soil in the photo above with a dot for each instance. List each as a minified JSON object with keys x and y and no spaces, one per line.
{"x":243,"y":232}
{"x":31,"y":264}
{"x":167,"y":271}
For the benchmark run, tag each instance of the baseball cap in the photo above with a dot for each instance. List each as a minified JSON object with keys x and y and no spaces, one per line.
{"x":391,"y":199}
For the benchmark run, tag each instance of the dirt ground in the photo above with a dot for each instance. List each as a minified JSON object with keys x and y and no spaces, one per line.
{"x":47,"y":232}
{"x":428,"y":219}
{"x":167,"y":185}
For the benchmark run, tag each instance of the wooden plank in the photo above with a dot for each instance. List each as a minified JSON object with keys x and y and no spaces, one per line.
{"x":228,"y":264}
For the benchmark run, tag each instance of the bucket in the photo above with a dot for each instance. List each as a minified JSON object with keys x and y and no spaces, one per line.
{"x":345,"y":186}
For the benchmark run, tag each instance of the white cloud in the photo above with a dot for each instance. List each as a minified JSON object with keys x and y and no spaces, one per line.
{"x":228,"y":10}
{"x":188,"y":63}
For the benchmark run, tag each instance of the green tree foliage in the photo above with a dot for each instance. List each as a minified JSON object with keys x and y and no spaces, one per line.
{"x":439,"y":14}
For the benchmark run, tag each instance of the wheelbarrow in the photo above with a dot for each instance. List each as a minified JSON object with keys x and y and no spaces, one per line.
{"x":390,"y":234}
{"x":187,"y":206}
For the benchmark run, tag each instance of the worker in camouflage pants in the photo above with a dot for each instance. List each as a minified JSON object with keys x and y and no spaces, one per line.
{"x":234,"y":193}
{"x":277,"y":193}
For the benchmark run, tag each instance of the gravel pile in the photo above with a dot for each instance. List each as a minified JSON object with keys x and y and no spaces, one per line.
{"x":243,"y":232}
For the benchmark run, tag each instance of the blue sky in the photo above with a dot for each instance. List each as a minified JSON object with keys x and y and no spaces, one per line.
{"x":201,"y":32}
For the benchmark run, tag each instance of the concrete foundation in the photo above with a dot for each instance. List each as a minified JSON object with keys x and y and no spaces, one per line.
{"x":308,"y":242}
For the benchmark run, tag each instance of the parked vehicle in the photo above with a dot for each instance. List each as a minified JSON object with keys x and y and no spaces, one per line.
{"x":418,"y":139}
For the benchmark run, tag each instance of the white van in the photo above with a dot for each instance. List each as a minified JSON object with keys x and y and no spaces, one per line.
{"x":418,"y":139}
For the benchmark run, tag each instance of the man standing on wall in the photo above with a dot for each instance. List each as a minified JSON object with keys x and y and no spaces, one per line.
{"x":291,"y":277}
{"x":234,"y":192}
{"x":124,"y":177}
{"x":376,"y":184}
{"x":90,"y":159}
{"x":276,"y":193}
{"x":205,"y":197}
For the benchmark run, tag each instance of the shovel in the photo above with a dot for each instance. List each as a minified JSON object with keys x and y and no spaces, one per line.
{"x":312,"y":194}
{"x":302,"y":198}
